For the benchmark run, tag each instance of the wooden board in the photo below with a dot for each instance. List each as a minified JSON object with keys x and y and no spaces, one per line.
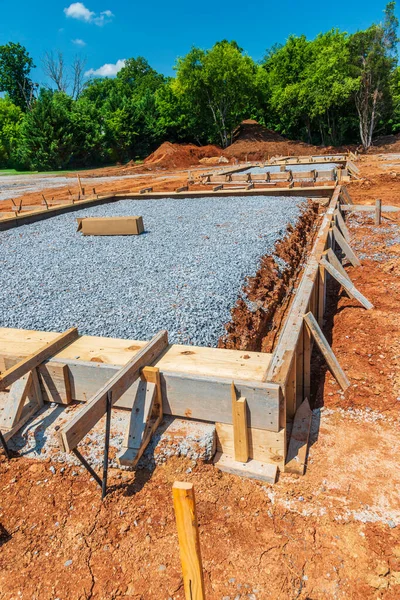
{"x":346,"y":248}
{"x":33,"y":360}
{"x":55,"y":382}
{"x":264,"y":446}
{"x":83,"y":421}
{"x":347,"y":284}
{"x":252,"y":469}
{"x":298,"y":445}
{"x":128,"y":225}
{"x":327,"y":351}
{"x":19,"y":343}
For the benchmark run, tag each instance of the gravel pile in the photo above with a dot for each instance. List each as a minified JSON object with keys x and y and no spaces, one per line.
{"x":294,"y":168}
{"x":183,"y":274}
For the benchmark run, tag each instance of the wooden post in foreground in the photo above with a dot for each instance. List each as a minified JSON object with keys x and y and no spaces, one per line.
{"x":378,"y":212}
{"x":189,"y":543}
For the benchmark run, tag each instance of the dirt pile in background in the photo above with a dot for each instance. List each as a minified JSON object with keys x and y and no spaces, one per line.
{"x":174,"y":156}
{"x":256,"y":317}
{"x":253,"y":142}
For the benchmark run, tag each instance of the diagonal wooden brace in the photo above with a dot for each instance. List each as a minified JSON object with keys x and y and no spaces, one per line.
{"x":326,"y":351}
{"x":346,"y":283}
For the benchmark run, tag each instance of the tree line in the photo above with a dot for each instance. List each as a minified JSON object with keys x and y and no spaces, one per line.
{"x":336,"y":89}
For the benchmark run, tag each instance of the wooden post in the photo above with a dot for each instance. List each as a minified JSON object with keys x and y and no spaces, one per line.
{"x":378,"y":212}
{"x":239,"y":420}
{"x":79,"y":185}
{"x":189,"y":543}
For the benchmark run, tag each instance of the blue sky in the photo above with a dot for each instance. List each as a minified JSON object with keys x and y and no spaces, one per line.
{"x":108,"y":31}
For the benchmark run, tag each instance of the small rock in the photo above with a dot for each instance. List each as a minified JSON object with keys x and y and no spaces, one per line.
{"x":67,"y":563}
{"x":162,"y":568}
{"x":53,"y":470}
{"x":391,"y":524}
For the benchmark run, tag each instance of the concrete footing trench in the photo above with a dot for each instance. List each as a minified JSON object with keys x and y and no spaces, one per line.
{"x":184,"y":274}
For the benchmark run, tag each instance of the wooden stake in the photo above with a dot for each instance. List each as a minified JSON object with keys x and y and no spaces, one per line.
{"x":79,"y":185}
{"x":239,"y":420}
{"x":378,"y":212}
{"x":189,"y":542}
{"x":326,"y":350}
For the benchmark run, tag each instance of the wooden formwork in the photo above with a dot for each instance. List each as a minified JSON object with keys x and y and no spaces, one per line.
{"x":196,"y":382}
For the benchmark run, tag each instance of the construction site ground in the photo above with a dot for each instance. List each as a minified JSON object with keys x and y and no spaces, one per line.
{"x":333,"y":533}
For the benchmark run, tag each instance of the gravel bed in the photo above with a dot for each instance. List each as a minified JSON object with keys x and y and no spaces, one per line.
{"x":294,"y":168}
{"x":183,"y":274}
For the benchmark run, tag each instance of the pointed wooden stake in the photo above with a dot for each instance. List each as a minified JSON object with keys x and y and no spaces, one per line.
{"x":298,"y":445}
{"x":239,"y":420}
{"x":189,"y":542}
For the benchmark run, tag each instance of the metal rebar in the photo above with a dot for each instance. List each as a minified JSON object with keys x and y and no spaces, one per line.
{"x":5,"y":447}
{"x":85,"y":463}
{"x":106,"y":445}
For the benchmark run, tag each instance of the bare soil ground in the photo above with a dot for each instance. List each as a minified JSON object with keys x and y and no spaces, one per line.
{"x":334,"y":533}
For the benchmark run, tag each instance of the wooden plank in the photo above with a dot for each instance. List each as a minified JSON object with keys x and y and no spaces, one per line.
{"x":73,"y":432}
{"x":264,"y":446}
{"x":279,"y":367}
{"x":34,"y":360}
{"x":28,"y":411}
{"x":342,"y":225}
{"x":345,"y":196}
{"x":239,"y":418}
{"x":298,"y":445}
{"x":369,"y":208}
{"x":189,"y":542}
{"x":326,"y":351}
{"x":139,"y":429}
{"x":15,"y":401}
{"x":335,"y":262}
{"x":253,"y":469}
{"x":346,"y":249}
{"x":56,"y":385}
{"x":347,"y":284}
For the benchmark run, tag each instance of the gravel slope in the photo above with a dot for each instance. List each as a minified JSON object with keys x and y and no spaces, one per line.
{"x":183,"y":274}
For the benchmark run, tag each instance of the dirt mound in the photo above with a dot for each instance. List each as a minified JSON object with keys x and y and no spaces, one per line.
{"x":180,"y":155}
{"x":252,"y":131}
{"x":385,"y":143}
{"x":254,"y":142}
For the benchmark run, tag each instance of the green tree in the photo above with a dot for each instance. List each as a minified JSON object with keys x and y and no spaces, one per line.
{"x":47,"y":133}
{"x":220,"y":83}
{"x":15,"y":68}
{"x":10,"y":122}
{"x":374,"y":55}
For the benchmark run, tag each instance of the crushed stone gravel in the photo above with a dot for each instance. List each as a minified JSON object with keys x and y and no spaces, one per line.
{"x":183,"y":274}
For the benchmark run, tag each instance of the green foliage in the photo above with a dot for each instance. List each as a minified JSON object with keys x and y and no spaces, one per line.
{"x":47,"y":134}
{"x":10,"y":121}
{"x":335,"y":89}
{"x":219,"y":83}
{"x":15,"y":68}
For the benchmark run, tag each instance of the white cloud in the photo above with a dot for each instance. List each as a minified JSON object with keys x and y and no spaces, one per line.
{"x":79,"y":42}
{"x":77,"y":10}
{"x":107,"y":70}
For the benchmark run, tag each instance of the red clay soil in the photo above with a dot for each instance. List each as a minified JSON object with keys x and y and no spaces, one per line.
{"x":254,"y":142}
{"x":174,"y":156}
{"x":255,"y":323}
{"x":332,"y":534}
